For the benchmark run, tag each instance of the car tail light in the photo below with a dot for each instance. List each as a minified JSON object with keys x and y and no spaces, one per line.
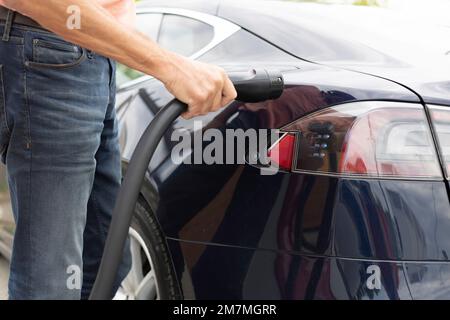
{"x":282,"y":152}
{"x":368,"y":139}
{"x":441,"y":122}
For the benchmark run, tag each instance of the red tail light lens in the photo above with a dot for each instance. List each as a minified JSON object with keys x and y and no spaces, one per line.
{"x":441,"y":122}
{"x":282,"y":152}
{"x":373,"y":139}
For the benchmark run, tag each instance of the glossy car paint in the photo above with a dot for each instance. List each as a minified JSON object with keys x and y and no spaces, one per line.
{"x":235,"y":234}
{"x":222,"y":272}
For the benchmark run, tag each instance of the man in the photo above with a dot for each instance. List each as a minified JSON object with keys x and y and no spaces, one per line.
{"x":59,"y":136}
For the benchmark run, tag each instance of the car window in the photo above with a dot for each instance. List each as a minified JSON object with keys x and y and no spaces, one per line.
{"x":179,"y":34}
{"x":242,"y":47}
{"x":184,"y":35}
{"x":149,"y":24}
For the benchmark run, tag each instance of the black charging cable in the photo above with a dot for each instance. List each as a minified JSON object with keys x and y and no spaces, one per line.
{"x":255,"y":85}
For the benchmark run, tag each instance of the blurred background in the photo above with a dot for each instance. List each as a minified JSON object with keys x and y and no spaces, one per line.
{"x":411,"y":24}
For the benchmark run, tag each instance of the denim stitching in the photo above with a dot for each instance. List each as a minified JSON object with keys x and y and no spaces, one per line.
{"x":69,"y":47}
{"x":3,"y":102}
{"x":76,"y":63}
{"x":28,"y":202}
{"x":96,"y":209}
{"x":33,"y":53}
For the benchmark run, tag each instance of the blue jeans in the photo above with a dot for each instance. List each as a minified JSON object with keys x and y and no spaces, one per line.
{"x":59,"y":140}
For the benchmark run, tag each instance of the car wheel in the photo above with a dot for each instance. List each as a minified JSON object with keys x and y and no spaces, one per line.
{"x":151,"y":276}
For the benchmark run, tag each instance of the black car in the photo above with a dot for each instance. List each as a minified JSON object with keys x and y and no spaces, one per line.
{"x":360,"y":208}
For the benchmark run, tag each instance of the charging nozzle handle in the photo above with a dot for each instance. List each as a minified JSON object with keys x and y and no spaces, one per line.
{"x":257,"y":85}
{"x":252,"y":86}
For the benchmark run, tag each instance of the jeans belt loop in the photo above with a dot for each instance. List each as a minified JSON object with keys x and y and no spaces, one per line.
{"x":8,"y":25}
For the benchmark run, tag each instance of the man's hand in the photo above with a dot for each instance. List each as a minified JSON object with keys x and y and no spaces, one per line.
{"x":204,"y":88}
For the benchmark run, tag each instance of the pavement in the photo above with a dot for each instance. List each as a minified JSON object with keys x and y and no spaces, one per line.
{"x":4,"y":275}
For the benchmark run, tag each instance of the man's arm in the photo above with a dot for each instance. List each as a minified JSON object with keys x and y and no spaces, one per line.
{"x":203,"y":87}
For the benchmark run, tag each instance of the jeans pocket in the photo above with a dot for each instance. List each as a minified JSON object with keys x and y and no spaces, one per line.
{"x":55,"y":54}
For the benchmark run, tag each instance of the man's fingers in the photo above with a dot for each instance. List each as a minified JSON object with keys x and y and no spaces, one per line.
{"x":217,"y":104}
{"x":186,"y":116}
{"x":191,"y":112}
{"x":214,"y":91}
{"x":218,"y":83}
{"x":229,"y":92}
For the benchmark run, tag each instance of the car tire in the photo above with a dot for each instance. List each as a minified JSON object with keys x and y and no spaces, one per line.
{"x":146,"y":232}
